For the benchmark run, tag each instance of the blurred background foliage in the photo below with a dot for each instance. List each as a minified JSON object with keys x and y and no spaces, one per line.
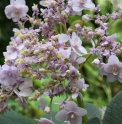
{"x":99,"y":92}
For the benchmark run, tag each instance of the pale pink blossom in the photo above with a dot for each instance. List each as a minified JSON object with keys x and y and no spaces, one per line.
{"x":16,"y":10}
{"x":79,"y":5}
{"x":76,"y":45}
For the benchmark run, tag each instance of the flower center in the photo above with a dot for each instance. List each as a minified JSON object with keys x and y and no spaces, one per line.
{"x":82,"y":1}
{"x":17,"y":11}
{"x":115,"y":70}
{"x":72,"y":116}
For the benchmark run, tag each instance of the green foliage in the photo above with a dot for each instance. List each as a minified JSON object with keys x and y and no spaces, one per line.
{"x":113,"y":114}
{"x":11,"y":117}
{"x":93,"y":121}
{"x":92,"y":110}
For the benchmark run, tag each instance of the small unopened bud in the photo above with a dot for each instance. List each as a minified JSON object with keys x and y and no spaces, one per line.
{"x":47,"y":109}
{"x":31,"y":20}
{"x":55,"y":37}
{"x":36,"y":51}
{"x":70,"y":30}
{"x":59,"y":55}
{"x":86,"y":18}
{"x":68,"y":72}
{"x":52,"y":3}
{"x":96,"y":62}
{"x":51,"y":48}
{"x":30,"y":98}
{"x":46,"y":19}
{"x":43,"y":40}
{"x":74,"y":89}
{"x":20,"y":61}
{"x":34,"y":76}
{"x":24,"y":52}
{"x":53,"y":42}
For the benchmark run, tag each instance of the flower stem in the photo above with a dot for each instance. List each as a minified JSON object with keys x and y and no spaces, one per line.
{"x":81,"y":104}
{"x":60,"y":28}
{"x":51,"y":108}
{"x":65,"y":28}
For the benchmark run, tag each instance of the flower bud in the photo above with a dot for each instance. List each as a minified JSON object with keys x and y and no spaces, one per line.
{"x":47,"y":109}
{"x":96,"y":62}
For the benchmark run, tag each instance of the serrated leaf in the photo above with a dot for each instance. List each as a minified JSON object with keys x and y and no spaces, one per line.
{"x":113,"y":113}
{"x":92,"y":110}
{"x":93,"y":121}
{"x":11,"y":117}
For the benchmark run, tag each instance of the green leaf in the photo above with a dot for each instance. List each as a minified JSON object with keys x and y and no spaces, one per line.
{"x":113,"y":113}
{"x":11,"y":117}
{"x":92,"y":110}
{"x":93,"y":121}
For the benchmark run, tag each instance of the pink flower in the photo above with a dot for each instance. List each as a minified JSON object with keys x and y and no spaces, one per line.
{"x":112,"y":69}
{"x":71,"y":113}
{"x":16,"y":10}
{"x":76,"y":45}
{"x":79,"y":5}
{"x":26,"y":88}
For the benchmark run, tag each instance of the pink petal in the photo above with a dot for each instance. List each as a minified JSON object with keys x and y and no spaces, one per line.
{"x":63,"y":38}
{"x":25,"y":92}
{"x":61,"y":115}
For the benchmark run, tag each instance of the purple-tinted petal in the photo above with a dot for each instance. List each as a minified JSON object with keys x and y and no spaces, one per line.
{"x":12,"y":2}
{"x":81,"y":111}
{"x":47,"y":92}
{"x":80,"y":60}
{"x":113,"y":60}
{"x":82,"y":49}
{"x":20,"y":47}
{"x":61,"y":115}
{"x":70,"y":106}
{"x":63,"y":38}
{"x":22,"y":2}
{"x":5,"y":67}
{"x":77,"y":7}
{"x":12,"y":55}
{"x":25,"y":92}
{"x":73,"y":56}
{"x":27,"y":83}
{"x":102,"y":71}
{"x":9,"y":81}
{"x":43,"y":121}
{"x":111,"y":77}
{"x":43,"y":103}
{"x":120,"y":79}
{"x":80,"y":83}
{"x":77,"y":120}
{"x":74,"y":95}
{"x":108,"y":68}
{"x":120,"y":73}
{"x":89,"y":5}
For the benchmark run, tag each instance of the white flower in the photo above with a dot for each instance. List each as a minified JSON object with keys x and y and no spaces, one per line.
{"x":26,"y":87}
{"x":79,"y":5}
{"x":76,"y":45}
{"x":16,"y":10}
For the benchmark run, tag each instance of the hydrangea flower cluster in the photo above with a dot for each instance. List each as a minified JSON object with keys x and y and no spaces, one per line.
{"x":49,"y":48}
